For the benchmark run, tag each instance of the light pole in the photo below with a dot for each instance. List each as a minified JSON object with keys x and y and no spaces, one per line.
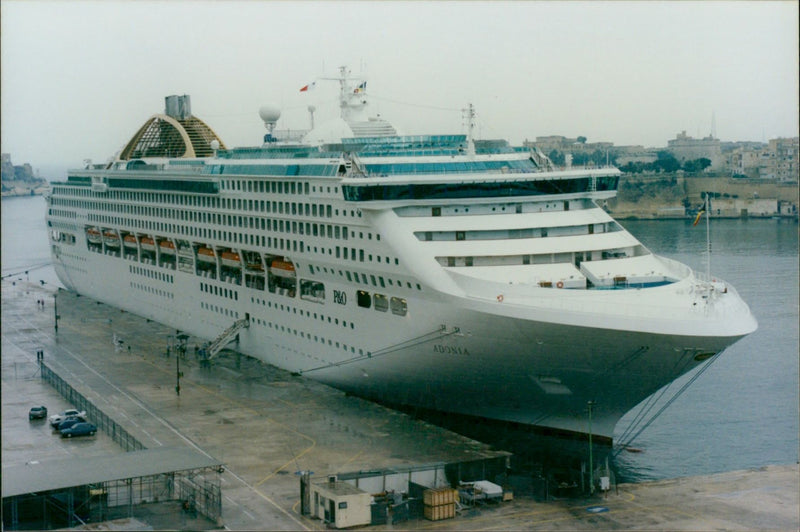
{"x":590,"y":404}
{"x":178,"y":374}
{"x":55,"y":310}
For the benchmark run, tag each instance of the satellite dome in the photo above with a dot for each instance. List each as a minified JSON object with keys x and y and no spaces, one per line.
{"x":269,"y":113}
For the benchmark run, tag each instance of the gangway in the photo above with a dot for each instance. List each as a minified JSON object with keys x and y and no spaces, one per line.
{"x":223,"y":339}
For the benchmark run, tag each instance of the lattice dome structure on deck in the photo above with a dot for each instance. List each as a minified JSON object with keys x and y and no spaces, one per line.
{"x":173,"y":134}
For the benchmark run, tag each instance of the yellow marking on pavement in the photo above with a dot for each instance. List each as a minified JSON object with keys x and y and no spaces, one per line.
{"x":359,"y":453}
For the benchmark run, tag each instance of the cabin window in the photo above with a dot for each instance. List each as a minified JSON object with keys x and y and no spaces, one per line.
{"x":381,"y":303}
{"x":399,"y":306}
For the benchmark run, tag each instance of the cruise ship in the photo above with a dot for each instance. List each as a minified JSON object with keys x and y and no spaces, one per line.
{"x":438,"y":272}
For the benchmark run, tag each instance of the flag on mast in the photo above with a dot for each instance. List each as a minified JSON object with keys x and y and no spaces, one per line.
{"x":701,"y":212}
{"x":308,"y":87}
{"x":699,"y":215}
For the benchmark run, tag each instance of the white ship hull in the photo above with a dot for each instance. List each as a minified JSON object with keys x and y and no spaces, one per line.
{"x":474,"y":357}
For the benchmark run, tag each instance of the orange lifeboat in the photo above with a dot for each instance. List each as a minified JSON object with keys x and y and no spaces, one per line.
{"x":111,"y":238}
{"x":93,"y":235}
{"x":129,"y":241}
{"x":231,"y":259}
{"x":282,"y":268}
{"x":166,"y":247}
{"x":205,"y":254}
{"x":148,"y":244}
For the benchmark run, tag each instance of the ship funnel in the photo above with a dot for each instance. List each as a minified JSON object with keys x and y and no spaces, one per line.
{"x":178,"y":107}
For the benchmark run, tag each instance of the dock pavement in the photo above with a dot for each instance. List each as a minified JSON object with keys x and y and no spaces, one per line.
{"x":265,"y":425}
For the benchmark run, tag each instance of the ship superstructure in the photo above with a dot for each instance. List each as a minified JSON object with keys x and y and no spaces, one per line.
{"x":435,"y":271}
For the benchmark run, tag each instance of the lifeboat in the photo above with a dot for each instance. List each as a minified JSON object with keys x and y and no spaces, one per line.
{"x":129,"y":241}
{"x":282,"y":268}
{"x":166,"y":247}
{"x":205,"y":255}
{"x":111,"y":238}
{"x":148,"y":244}
{"x":231,"y":259}
{"x":93,"y":235}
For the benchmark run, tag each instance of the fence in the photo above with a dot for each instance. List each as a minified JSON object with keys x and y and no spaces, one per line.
{"x":201,"y":494}
{"x":104,"y":423}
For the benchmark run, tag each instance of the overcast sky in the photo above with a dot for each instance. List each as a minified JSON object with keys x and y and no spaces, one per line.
{"x":79,"y":78}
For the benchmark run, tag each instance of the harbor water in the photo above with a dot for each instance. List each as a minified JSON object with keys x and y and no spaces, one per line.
{"x":740,"y":412}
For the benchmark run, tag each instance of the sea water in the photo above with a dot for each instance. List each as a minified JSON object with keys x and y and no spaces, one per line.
{"x":741,"y":412}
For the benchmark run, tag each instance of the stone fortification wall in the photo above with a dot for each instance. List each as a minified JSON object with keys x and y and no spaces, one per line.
{"x":672,"y":195}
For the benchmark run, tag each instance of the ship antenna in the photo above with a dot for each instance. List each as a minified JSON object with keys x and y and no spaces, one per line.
{"x":469,"y":115}
{"x":342,"y":89}
{"x":350,"y":101}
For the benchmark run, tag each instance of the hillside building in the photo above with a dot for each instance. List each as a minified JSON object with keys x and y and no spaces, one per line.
{"x":685,"y":148}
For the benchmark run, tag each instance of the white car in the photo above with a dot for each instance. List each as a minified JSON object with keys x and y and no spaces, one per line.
{"x":56,"y":419}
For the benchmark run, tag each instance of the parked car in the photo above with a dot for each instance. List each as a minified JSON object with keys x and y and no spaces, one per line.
{"x":37,"y":412}
{"x":56,"y":419}
{"x":79,"y":429}
{"x":69,"y":422}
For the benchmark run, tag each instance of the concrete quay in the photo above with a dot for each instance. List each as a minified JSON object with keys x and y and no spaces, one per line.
{"x":265,"y":425}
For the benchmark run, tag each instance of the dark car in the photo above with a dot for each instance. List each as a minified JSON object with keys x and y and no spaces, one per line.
{"x":79,"y":429}
{"x":69,"y":422}
{"x":37,"y":412}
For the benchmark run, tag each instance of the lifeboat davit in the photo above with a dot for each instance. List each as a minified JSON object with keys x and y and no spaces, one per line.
{"x":205,"y":255}
{"x":282,"y":268}
{"x":166,"y":247}
{"x":231,"y":259}
{"x":148,"y":244}
{"x":93,"y":235}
